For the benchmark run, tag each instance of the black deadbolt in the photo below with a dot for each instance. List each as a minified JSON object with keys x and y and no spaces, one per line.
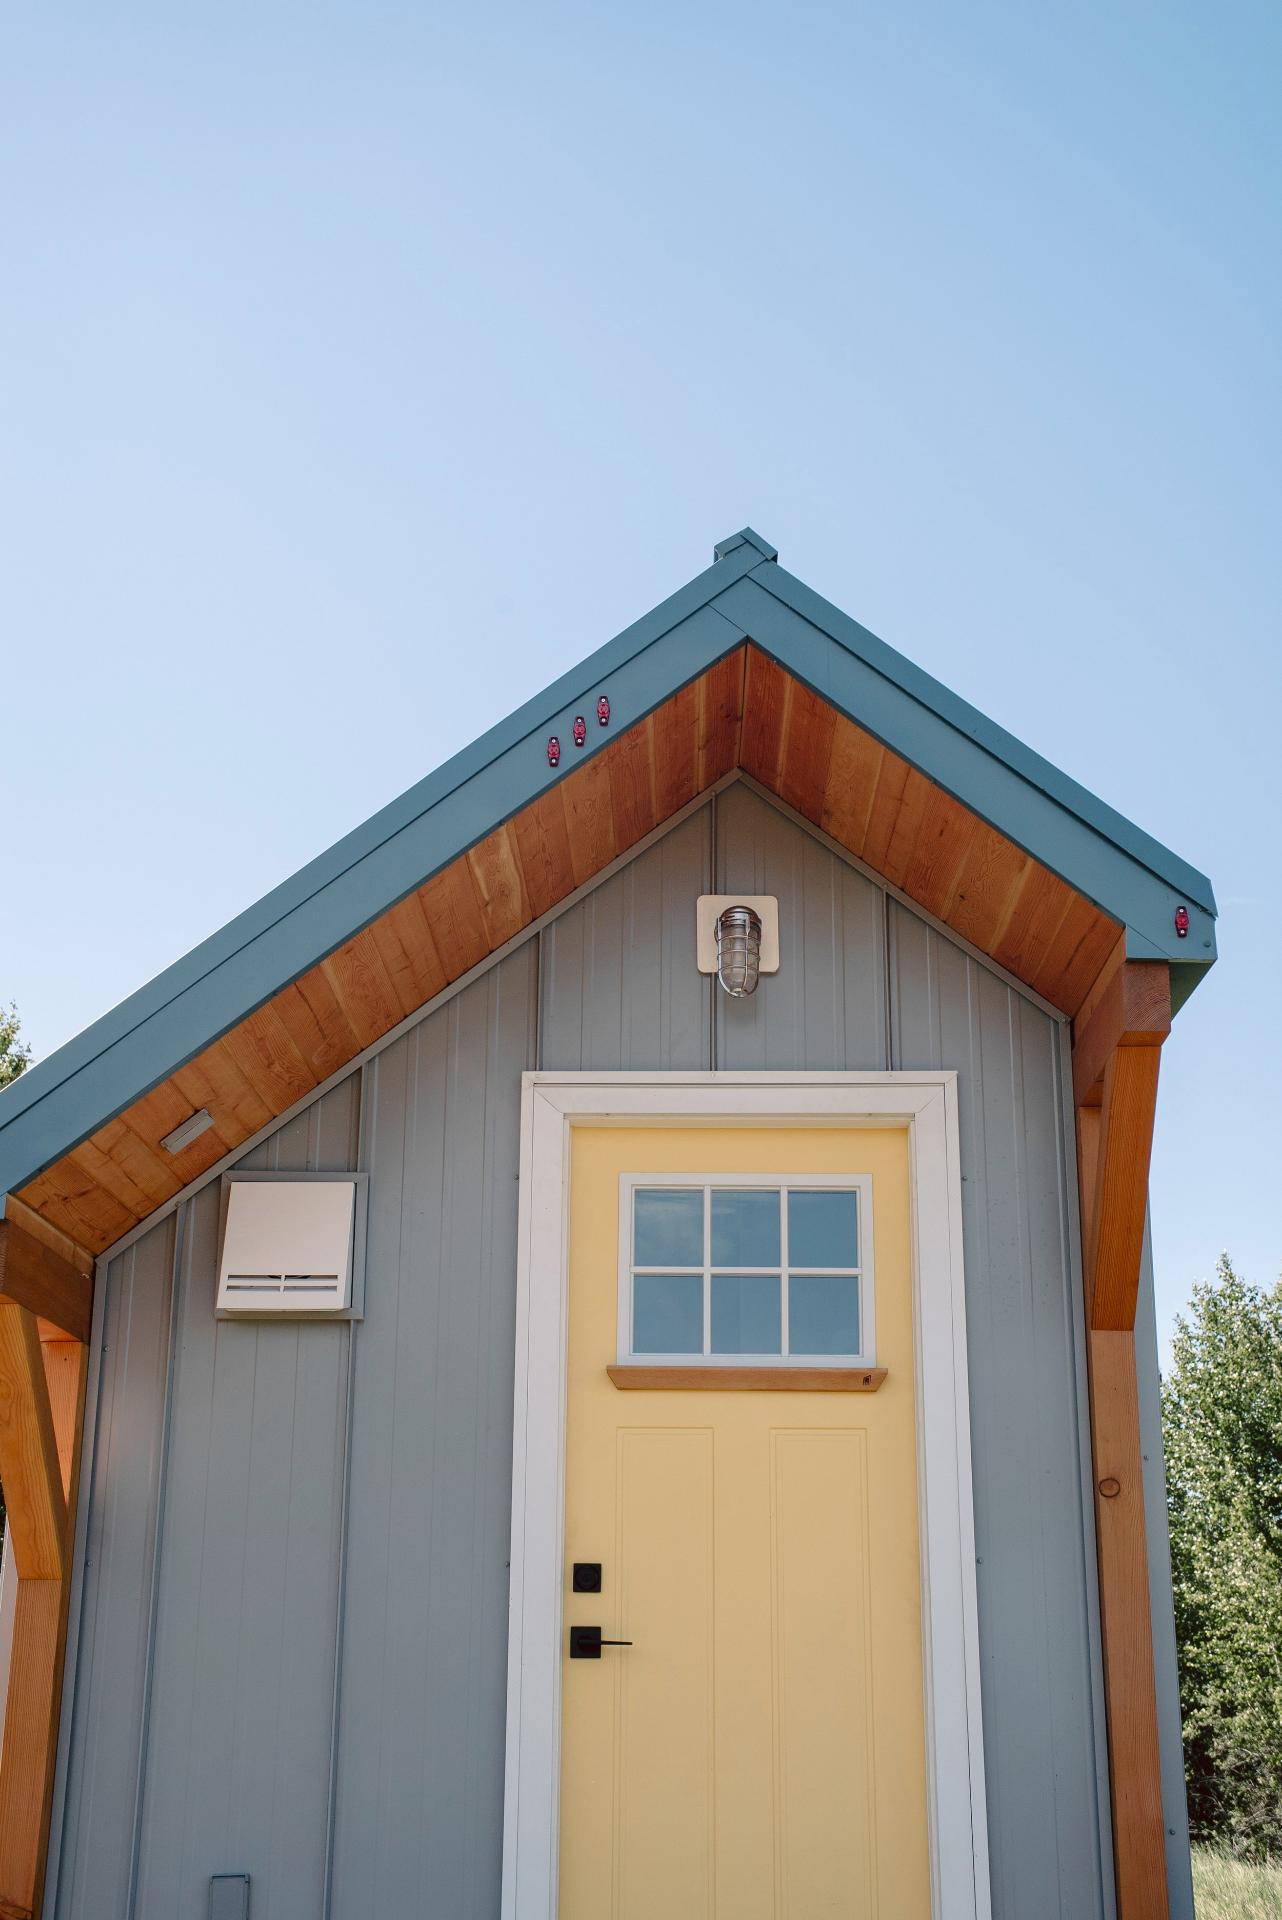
{"x":587,"y":1576}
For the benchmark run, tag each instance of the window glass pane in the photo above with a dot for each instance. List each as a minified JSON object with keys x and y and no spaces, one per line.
{"x":746,"y":1313}
{"x":823,"y":1313}
{"x":667,"y":1313}
{"x":667,"y":1227}
{"x":822,"y":1229}
{"x":745,"y":1227}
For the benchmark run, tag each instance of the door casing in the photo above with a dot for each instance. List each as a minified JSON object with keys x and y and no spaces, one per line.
{"x":925,"y":1105}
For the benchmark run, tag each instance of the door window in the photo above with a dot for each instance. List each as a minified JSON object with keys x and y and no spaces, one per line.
{"x":714,"y":1270}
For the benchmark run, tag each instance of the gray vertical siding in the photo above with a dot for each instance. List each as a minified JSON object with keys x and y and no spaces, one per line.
{"x":620,"y":985}
{"x":1043,"y":1735}
{"x":420,"y":1777}
{"x":123,"y":1494}
{"x":237,"y":1776}
{"x":208,"y":1750}
{"x":231,"y":1705}
{"x":827,"y":1006}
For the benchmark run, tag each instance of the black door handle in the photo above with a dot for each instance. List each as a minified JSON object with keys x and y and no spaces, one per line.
{"x":586,"y":1643}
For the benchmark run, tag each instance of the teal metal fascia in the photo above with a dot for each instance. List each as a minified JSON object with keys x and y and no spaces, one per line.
{"x":891,"y":706}
{"x":115,"y":1061}
{"x":744,"y":594}
{"x":540,"y":711}
{"x":745,"y":537}
{"x":1003,"y":746}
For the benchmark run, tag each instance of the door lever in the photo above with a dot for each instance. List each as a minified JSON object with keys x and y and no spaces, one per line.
{"x":586,"y":1643}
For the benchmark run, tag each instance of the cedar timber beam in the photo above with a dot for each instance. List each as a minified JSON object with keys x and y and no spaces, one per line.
{"x":44,"y":1271}
{"x":1117,"y":1039}
{"x":36,"y":1512}
{"x":43,"y":1372}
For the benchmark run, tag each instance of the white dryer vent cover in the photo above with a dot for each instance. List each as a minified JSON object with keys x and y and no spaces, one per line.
{"x":287,"y":1247}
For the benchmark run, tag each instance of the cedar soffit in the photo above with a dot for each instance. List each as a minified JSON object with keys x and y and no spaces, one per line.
{"x":733,"y":672}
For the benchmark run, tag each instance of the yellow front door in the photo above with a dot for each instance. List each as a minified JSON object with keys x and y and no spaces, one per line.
{"x":757,"y":1751}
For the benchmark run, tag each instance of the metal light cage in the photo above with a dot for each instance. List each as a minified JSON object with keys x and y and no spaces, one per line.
{"x":739,"y":950}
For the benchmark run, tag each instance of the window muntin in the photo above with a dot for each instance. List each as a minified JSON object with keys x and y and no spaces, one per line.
{"x":716,"y":1270}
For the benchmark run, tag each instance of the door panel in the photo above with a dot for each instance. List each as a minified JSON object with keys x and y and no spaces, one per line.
{"x":757,"y":1753}
{"x":664,"y":1816}
{"x":823,"y":1728}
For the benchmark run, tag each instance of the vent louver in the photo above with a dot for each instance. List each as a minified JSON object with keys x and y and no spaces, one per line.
{"x":287,"y":1247}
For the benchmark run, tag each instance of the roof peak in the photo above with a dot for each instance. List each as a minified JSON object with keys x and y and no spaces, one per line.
{"x":745,"y":538}
{"x":744,"y":597}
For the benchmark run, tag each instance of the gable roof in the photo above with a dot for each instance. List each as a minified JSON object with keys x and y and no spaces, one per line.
{"x":817,"y":679}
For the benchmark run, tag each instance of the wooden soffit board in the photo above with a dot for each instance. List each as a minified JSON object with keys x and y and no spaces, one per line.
{"x":744,"y":712}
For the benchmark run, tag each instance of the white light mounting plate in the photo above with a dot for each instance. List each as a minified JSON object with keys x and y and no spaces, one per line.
{"x":708,"y":911}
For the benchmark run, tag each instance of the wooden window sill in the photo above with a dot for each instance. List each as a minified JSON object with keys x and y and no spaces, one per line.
{"x":639,"y":1379}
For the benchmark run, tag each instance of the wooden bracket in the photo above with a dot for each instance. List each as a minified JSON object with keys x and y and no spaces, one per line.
{"x":1130,"y":1006}
{"x":1117,"y":1039}
{"x":44,"y":1271}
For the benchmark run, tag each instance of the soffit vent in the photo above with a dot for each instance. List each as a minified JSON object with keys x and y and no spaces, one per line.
{"x":287,"y":1246}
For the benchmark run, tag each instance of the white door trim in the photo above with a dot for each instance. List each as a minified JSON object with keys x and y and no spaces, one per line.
{"x":925,"y":1104}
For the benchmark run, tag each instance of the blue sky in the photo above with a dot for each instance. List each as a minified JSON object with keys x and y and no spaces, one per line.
{"x":364,"y":367}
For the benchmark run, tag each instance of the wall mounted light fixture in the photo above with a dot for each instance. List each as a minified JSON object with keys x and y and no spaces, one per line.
{"x":738,"y":950}
{"x":737,"y":938}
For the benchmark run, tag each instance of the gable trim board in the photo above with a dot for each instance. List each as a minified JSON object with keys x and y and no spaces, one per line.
{"x":743,"y":597}
{"x":925,"y":1104}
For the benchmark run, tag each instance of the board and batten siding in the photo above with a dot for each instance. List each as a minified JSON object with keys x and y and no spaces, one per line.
{"x":293,"y":1620}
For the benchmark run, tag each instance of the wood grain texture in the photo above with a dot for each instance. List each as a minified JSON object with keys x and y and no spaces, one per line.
{"x":941,"y":855}
{"x":362,"y":986}
{"x":1139,"y":1842}
{"x":36,"y":1509}
{"x":46,"y":1282}
{"x":64,"y":1366}
{"x":1116,"y":1213}
{"x":77,"y":1257}
{"x":500,"y":883}
{"x":1117,"y":1035}
{"x":744,"y":711}
{"x":639,"y":1379}
{"x":721,"y":718}
{"x":28,"y":1752}
{"x":28,"y":1719}
{"x":1133,"y":1009}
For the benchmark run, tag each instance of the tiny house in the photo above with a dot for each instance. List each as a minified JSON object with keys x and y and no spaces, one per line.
{"x":593,"y":1353}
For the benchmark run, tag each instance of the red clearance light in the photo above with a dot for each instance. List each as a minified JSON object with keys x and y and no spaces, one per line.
{"x":1182,"y":922}
{"x":603,"y":710}
{"x":580,"y":729}
{"x":554,"y":752}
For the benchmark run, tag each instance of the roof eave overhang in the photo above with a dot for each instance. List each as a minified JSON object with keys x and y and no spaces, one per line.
{"x":745,"y":595}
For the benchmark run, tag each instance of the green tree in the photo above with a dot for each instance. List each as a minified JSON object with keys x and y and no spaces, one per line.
{"x":1222,"y":1428}
{"x":14,"y":1056}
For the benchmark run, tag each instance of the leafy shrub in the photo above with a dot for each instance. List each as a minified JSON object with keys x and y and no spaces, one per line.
{"x":1222,"y":1428}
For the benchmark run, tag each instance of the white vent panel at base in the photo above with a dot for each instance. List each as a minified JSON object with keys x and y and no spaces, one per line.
{"x":287,"y":1247}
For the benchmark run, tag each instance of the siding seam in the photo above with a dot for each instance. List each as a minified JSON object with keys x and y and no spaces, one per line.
{"x":364,"y":1159}
{"x":181,"y":1237}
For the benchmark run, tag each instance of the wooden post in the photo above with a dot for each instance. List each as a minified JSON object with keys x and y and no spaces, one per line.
{"x":1117,"y":1039}
{"x":43,"y":1373}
